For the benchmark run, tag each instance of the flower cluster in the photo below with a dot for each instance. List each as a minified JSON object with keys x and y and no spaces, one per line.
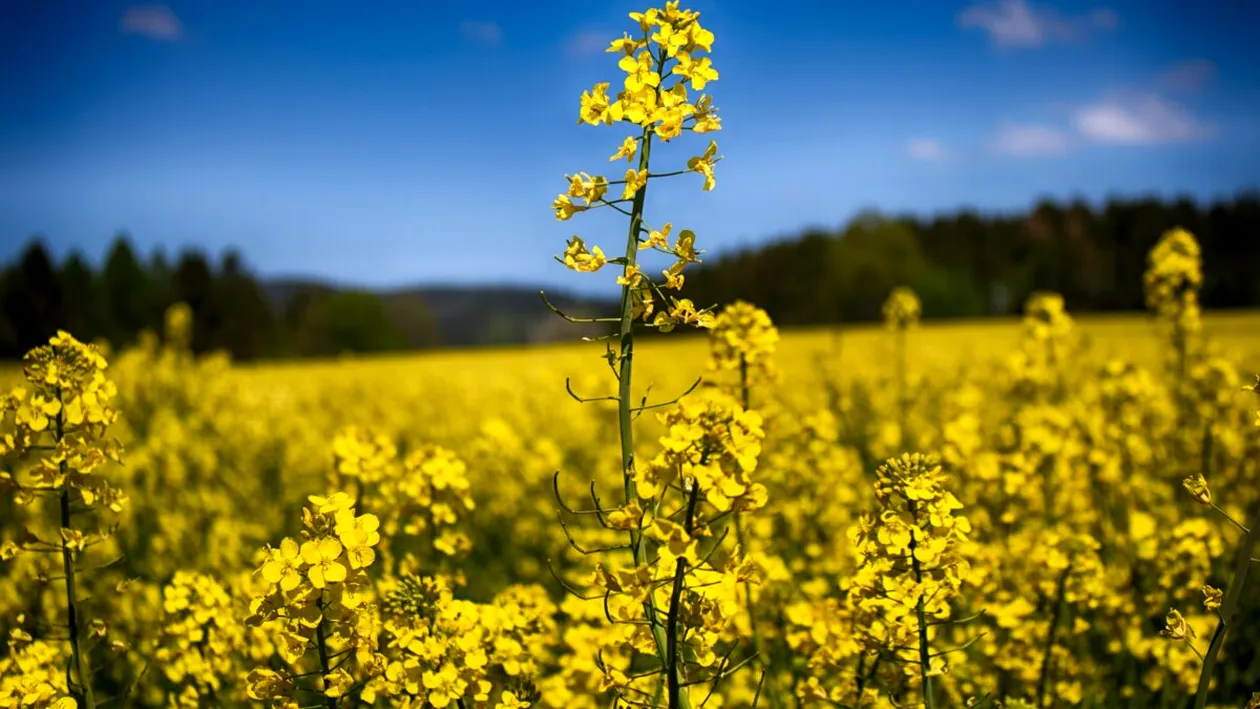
{"x":200,"y":637}
{"x":909,"y":566}
{"x":68,"y":401}
{"x":711,"y":446}
{"x":444,"y":651}
{"x":902,"y":310}
{"x":32,"y":675}
{"x":668,"y":44}
{"x":1173,"y":278}
{"x":743,"y":339}
{"x":318,"y":602}
{"x":424,"y":494}
{"x":1039,"y":366}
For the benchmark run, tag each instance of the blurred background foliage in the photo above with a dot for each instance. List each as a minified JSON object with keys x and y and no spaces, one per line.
{"x":963,"y":264}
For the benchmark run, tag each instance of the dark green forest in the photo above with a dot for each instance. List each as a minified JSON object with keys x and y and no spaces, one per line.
{"x":962,"y":264}
{"x":971,"y":264}
{"x":232,"y":310}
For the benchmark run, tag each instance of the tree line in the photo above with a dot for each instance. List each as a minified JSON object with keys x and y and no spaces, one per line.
{"x":961,"y":264}
{"x":971,"y":264}
{"x":232,"y":310}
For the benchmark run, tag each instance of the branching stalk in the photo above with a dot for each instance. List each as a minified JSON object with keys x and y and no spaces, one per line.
{"x":1229,"y":608}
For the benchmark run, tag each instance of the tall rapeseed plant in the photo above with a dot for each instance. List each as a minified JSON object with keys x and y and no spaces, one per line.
{"x":62,"y":417}
{"x":677,"y":599}
{"x":1172,"y":281}
{"x":909,"y":566}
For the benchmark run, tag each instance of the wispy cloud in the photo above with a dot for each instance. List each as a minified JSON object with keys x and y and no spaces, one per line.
{"x":585,"y":43}
{"x":1122,"y":118}
{"x":156,"y":22}
{"x":1014,"y":24}
{"x":1189,"y":75}
{"x":481,"y":32}
{"x":926,"y":149}
{"x":1139,"y":119}
{"x":1028,"y":140}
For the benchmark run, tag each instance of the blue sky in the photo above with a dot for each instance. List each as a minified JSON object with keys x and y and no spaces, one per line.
{"x":404,"y":142}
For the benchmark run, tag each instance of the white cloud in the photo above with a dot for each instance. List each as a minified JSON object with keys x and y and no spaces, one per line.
{"x":1188,"y":75}
{"x":585,"y":43}
{"x":1015,"y":24}
{"x":152,"y":21}
{"x":483,"y":32}
{"x":1138,"y":119}
{"x":926,"y":149}
{"x":1031,"y":139}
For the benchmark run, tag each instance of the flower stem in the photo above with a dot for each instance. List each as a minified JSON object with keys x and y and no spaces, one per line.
{"x":763,"y":658}
{"x":1229,"y":608}
{"x":903,"y":404}
{"x":1044,"y":682}
{"x":83,"y":684}
{"x":638,"y":544}
{"x":925,"y":659}
{"x":321,"y":640}
{"x":673,"y":673}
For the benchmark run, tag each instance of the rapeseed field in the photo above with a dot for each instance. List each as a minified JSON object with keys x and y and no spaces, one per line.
{"x":1034,"y":513}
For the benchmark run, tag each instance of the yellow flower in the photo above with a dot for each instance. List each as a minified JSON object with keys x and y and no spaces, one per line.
{"x":632,"y":276}
{"x":595,"y":106}
{"x":263,"y":684}
{"x":1197,"y":486}
{"x":283,"y":565}
{"x":508,"y":700}
{"x":565,"y":208}
{"x":579,"y":259}
{"x":359,"y":535}
{"x":703,"y":164}
{"x":1176,"y":627}
{"x":647,"y":20}
{"x":626,"y":44}
{"x":1212,"y":597}
{"x":627,"y":517}
{"x":337,"y":683}
{"x":628,"y":148}
{"x":658,"y":239}
{"x":332,"y":504}
{"x":322,"y":555}
{"x":635,"y":181}
{"x":699,"y":72}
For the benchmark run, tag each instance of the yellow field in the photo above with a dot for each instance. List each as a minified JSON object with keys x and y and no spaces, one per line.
{"x":1039,"y":513}
{"x":454,"y":453}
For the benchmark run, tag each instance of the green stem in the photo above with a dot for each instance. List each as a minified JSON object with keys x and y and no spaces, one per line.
{"x":1229,"y":608}
{"x":1044,"y":682}
{"x":863,"y":677}
{"x":903,"y":405}
{"x":638,"y":544}
{"x":321,"y":641}
{"x":744,"y":388}
{"x":68,"y":558}
{"x":763,"y":658}
{"x":925,"y":660}
{"x":673,"y":672}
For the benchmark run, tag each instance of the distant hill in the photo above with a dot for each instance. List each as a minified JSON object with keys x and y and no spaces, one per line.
{"x":470,"y":315}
